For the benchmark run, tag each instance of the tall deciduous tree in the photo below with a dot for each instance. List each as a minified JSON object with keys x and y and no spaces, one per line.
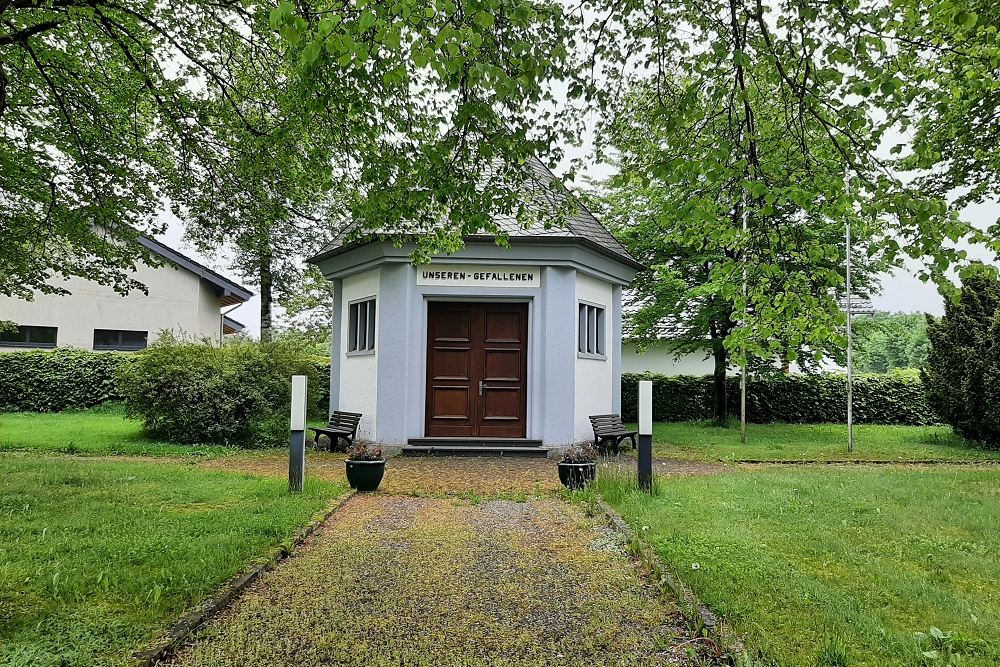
{"x":103,"y":110}
{"x":685,"y":224}
{"x":933,"y":67}
{"x":782,"y":79}
{"x":427,"y":110}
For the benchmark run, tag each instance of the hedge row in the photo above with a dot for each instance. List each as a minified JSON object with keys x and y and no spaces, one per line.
{"x":60,"y":379}
{"x":799,"y":398}
{"x":72,"y":379}
{"x":69,"y":379}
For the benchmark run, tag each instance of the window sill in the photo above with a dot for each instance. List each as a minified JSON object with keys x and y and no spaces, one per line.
{"x":41,"y":346}
{"x":588,"y":355}
{"x":110,"y":348}
{"x":360,"y":353}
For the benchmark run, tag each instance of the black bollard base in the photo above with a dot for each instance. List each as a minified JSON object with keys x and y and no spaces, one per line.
{"x":297,"y":461}
{"x":646,"y":462}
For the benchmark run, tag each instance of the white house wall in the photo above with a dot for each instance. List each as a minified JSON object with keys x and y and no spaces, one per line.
{"x":658,"y":359}
{"x":178,"y":301}
{"x":359,"y":373}
{"x":594,"y":377}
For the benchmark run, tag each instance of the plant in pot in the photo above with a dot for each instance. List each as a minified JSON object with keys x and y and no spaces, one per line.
{"x":578,"y":466}
{"x":365,"y":467}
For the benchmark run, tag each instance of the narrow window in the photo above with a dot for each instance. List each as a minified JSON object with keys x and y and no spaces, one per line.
{"x":361,"y":326}
{"x":28,"y":336}
{"x":591,"y":331}
{"x":120,"y":339}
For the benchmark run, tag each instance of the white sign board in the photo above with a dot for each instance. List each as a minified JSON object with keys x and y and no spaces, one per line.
{"x":471,"y":275}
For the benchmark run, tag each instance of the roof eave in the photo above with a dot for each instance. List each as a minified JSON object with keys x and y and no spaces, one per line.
{"x":229,"y":292}
{"x":593,"y":245}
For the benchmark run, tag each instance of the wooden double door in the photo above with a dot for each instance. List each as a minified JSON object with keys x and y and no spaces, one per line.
{"x":477,"y":363}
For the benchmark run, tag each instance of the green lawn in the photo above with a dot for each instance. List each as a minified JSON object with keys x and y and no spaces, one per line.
{"x":813,"y":442}
{"x":821,"y":565}
{"x":97,"y":557}
{"x":100,"y":431}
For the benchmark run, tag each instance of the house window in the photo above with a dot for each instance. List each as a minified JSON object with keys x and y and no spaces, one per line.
{"x":28,"y":336}
{"x":361,"y":327}
{"x":590,"y":331}
{"x":119,"y":339}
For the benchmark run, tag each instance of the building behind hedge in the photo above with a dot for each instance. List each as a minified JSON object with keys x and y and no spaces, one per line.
{"x":489,"y":346}
{"x":184,"y":296}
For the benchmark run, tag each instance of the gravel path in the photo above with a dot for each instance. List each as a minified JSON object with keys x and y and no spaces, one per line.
{"x":397,"y":580}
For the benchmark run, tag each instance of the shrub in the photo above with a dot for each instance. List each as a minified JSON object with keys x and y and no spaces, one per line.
{"x":962,"y":375}
{"x":60,"y":379}
{"x":894,"y":398}
{"x":237,"y":394}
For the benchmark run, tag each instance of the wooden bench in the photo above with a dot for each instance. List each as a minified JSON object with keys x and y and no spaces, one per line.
{"x":609,"y":431}
{"x":342,"y":426}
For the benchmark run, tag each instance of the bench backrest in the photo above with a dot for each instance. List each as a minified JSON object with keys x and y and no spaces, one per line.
{"x":347,"y":421}
{"x":607,"y":423}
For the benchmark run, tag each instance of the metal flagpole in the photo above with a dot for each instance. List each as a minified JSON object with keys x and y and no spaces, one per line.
{"x":743,"y":373}
{"x":850,"y":346}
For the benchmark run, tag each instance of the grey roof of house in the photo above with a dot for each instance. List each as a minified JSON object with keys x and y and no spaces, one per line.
{"x":235,"y":325}
{"x":581,"y":225}
{"x":859,"y":305}
{"x":229,"y":292}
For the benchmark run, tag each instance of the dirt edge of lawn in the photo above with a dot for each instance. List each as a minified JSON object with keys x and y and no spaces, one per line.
{"x":162,"y":648}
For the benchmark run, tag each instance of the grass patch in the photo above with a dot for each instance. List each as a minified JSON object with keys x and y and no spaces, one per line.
{"x":100,"y":431}
{"x":835,"y":566}
{"x":103,"y":431}
{"x":97,"y":557}
{"x":813,"y":442}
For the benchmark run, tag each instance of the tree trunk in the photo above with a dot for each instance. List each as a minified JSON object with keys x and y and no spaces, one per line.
{"x":720,"y":408}
{"x":266,"y":281}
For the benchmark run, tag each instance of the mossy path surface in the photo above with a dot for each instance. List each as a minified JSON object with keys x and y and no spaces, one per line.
{"x":397,"y":580}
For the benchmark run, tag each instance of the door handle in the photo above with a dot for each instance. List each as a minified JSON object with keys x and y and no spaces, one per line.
{"x":482,"y":385}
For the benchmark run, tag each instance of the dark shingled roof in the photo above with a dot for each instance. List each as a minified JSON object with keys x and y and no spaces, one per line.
{"x":581,"y":225}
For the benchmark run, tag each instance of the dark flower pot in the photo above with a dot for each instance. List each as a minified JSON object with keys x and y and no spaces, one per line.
{"x":365,"y":476}
{"x":575,"y":476}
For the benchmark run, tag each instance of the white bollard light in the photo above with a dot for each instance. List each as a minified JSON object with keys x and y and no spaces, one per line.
{"x":297,"y":437}
{"x":646,"y":435}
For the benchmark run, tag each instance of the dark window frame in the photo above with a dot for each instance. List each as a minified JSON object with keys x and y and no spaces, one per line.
{"x":361,"y":326}
{"x":120,"y":345}
{"x":30,"y":331}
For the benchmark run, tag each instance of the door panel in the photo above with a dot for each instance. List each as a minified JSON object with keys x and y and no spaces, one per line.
{"x":477,"y":360}
{"x":451,"y":389}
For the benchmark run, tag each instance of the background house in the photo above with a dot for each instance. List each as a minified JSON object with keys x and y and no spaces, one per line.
{"x":184,"y":296}
{"x":657,"y":355}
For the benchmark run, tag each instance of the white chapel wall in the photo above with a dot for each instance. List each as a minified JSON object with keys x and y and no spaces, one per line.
{"x":358,"y":373}
{"x":593,"y":393}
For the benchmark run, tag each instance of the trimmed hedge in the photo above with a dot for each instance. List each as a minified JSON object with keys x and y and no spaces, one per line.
{"x":894,"y":398}
{"x":60,"y":379}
